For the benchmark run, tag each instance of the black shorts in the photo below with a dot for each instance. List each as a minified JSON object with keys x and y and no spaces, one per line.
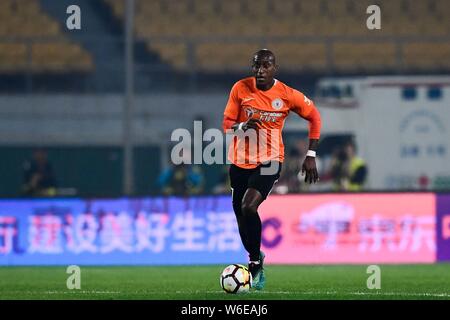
{"x":261,"y":178}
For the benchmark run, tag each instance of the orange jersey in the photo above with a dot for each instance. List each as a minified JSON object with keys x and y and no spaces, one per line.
{"x":271,"y":107}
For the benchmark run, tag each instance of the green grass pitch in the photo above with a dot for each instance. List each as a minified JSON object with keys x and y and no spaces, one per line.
{"x":202,"y":282}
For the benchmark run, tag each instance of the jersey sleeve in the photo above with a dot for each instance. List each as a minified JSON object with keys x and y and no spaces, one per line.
{"x":300,"y":103}
{"x":306,"y":109}
{"x":227,"y":123}
{"x":232,"y":107}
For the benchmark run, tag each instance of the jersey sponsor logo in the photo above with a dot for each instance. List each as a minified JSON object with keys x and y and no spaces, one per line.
{"x":277,"y":104}
{"x":266,"y":116}
{"x":250,"y":112}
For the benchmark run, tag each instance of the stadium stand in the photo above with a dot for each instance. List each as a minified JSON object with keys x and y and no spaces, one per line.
{"x":308,"y":29}
{"x":13,"y":57}
{"x":60,"y":57}
{"x":32,"y":40}
{"x":364,"y":56}
{"x":426,"y":55}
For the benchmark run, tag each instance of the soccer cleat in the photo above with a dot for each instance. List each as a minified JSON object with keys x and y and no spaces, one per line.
{"x":262,"y":277}
{"x":257,"y":271}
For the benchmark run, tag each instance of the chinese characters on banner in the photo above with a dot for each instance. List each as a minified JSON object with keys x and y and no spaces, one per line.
{"x":7,"y":231}
{"x":123,"y":232}
{"x":363,"y":228}
{"x":354,"y":228}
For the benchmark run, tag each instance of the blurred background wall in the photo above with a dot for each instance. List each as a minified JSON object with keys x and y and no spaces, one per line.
{"x":63,"y":91}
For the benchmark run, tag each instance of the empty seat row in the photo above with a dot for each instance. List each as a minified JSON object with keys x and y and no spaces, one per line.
{"x":33,"y":40}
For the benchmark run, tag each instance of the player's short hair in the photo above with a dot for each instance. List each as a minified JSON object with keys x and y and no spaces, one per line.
{"x":264,"y":53}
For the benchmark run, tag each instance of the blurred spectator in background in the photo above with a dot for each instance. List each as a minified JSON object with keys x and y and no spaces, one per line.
{"x":290,"y":179}
{"x":39,"y":180}
{"x":224,"y":185}
{"x":337,"y":168}
{"x":348,"y":171}
{"x":181,"y":179}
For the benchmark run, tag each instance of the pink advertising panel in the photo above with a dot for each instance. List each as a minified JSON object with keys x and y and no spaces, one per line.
{"x":349,"y":228}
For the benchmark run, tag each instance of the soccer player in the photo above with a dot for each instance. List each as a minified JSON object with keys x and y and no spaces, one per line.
{"x":259,"y":105}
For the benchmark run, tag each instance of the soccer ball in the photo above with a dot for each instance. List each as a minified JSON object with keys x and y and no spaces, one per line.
{"x":236,"y":278}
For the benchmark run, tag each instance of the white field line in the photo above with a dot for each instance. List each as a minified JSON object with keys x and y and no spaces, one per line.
{"x":81,"y":292}
{"x":144,"y":293}
{"x":67,"y":292}
{"x":377,"y":293}
{"x":418,"y":294}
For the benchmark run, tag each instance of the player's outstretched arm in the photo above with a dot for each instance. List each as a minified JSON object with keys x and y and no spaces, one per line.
{"x":309,"y":168}
{"x":230,"y":124}
{"x":309,"y":112}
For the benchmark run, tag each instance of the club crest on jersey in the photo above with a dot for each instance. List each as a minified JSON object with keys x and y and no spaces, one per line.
{"x":277,"y":104}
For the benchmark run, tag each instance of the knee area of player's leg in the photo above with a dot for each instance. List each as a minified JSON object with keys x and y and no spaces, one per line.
{"x":248,"y":209}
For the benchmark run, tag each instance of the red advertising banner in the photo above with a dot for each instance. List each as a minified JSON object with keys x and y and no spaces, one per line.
{"x":350,"y":228}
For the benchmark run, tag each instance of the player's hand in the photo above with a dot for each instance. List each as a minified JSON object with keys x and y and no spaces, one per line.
{"x":309,"y":169}
{"x":251,"y":123}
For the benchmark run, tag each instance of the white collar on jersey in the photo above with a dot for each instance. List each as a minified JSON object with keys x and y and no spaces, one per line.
{"x":274,"y":83}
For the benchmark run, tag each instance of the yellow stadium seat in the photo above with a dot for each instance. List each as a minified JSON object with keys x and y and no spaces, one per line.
{"x":204,"y":8}
{"x":300,"y":56}
{"x":426,"y":55}
{"x":13,"y":57}
{"x":59,"y":57}
{"x":24,"y":20}
{"x":417,"y":9}
{"x":178,"y":8}
{"x":118,"y":7}
{"x":222,"y":56}
{"x":367,"y":56}
{"x":172,"y":53}
{"x":294,"y":22}
{"x":309,"y":8}
{"x":260,"y":9}
{"x":337,"y":8}
{"x":229,"y":8}
{"x":285,"y":8}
